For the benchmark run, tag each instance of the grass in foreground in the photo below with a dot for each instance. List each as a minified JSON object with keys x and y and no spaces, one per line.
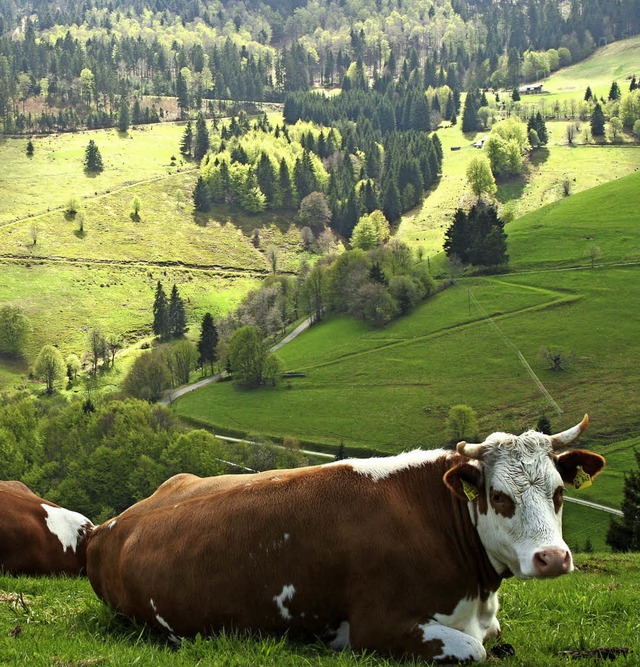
{"x":60,"y":622}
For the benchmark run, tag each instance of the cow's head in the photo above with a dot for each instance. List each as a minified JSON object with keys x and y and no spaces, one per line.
{"x":516,"y":484}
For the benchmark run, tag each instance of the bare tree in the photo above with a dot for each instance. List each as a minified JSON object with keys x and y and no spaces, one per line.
{"x":272,"y":257}
{"x":557,"y":359}
{"x":97,"y":349}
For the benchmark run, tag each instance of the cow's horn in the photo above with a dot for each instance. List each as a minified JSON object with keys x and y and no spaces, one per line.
{"x":565,"y":438}
{"x":470,"y":451}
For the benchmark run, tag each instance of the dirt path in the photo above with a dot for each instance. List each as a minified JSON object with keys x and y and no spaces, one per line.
{"x":185,"y":389}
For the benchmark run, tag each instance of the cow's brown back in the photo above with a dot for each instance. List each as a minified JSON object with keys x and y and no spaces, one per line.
{"x":298,"y":550}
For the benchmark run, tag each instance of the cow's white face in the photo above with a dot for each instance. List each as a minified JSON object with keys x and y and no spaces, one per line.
{"x":519,"y":483}
{"x":520,"y":520}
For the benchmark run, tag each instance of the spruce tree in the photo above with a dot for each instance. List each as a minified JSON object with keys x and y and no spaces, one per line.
{"x":186,"y":143}
{"x":266,"y":177}
{"x":30,"y":149}
{"x":391,"y":205}
{"x":201,"y":142}
{"x":160,"y":313}
{"x":201,"y":196}
{"x":177,"y":315}
{"x":123,"y":115}
{"x":182,"y":93}
{"x":208,"y":343}
{"x":624,"y":534}
{"x":92,"y":158}
{"x":614,"y":91}
{"x":597,"y":122}
{"x":470,"y":113}
{"x":588,"y":94}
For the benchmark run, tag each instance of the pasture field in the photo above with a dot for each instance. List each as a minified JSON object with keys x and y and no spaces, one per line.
{"x":65,"y":303}
{"x":390,"y":390}
{"x":617,"y":61}
{"x":30,"y":186}
{"x":61,"y":622}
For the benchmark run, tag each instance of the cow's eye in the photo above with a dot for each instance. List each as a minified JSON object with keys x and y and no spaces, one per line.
{"x":497,"y":497}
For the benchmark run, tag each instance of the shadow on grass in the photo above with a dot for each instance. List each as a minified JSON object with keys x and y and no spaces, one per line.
{"x":80,"y":233}
{"x":539,"y":156}
{"x":511,"y":188}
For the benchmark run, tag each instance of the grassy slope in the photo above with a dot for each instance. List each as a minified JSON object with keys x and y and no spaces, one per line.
{"x":70,"y":281}
{"x":447,"y":352}
{"x":63,"y":623}
{"x":617,"y":61}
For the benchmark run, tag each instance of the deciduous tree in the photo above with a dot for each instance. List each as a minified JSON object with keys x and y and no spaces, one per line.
{"x":50,"y":367}
{"x":251,"y":362}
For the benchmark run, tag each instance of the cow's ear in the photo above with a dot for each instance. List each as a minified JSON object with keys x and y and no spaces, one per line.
{"x":465,"y":481}
{"x":569,"y":462}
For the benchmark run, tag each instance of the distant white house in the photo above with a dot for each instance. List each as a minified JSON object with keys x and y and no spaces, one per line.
{"x":530,"y":89}
{"x":480,"y":142}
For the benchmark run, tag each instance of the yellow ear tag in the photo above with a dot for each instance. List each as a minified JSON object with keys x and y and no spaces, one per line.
{"x":582,"y":480}
{"x":469,"y":490}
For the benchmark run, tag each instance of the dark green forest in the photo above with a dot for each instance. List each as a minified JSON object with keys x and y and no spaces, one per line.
{"x":83,"y":62}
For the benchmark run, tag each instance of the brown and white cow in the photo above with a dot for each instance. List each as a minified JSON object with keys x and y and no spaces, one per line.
{"x":402,"y":555}
{"x":38,"y":537}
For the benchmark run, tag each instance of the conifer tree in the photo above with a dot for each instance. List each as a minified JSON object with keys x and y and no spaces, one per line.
{"x":201,"y":196}
{"x":588,"y":95}
{"x":201,"y":142}
{"x":614,"y":91}
{"x":624,"y":534}
{"x":208,"y":343}
{"x":597,"y":121}
{"x":30,"y":149}
{"x":391,"y":205}
{"x":177,"y":315}
{"x":286,"y":187}
{"x":470,"y":113}
{"x":186,"y":143}
{"x":161,"y":326}
{"x":123,"y":115}
{"x":92,"y":158}
{"x":266,"y":177}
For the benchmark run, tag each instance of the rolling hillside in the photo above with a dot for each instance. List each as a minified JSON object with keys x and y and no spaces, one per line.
{"x":449,"y":351}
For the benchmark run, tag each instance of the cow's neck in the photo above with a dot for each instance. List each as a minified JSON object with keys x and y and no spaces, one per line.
{"x":468,"y":551}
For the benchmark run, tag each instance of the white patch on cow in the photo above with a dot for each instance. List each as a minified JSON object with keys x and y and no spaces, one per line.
{"x":286,"y":537}
{"x":342,"y":639}
{"x":112,"y":524}
{"x":382,"y":467}
{"x":473,"y":617}
{"x":456,"y":646}
{"x":288,"y":591}
{"x":163,"y":623}
{"x":66,"y":525}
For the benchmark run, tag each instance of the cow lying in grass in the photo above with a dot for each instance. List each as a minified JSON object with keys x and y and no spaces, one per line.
{"x":402,"y":555}
{"x":39,"y":537}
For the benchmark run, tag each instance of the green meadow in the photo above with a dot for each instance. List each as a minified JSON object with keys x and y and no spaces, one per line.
{"x":60,"y":621}
{"x":30,"y":186}
{"x":617,"y":61}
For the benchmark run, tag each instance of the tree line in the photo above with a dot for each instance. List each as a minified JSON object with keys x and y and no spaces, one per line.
{"x":98,"y":458}
{"x":90,"y":56}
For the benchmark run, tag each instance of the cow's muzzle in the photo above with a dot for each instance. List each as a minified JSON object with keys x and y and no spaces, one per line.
{"x":552,"y":562}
